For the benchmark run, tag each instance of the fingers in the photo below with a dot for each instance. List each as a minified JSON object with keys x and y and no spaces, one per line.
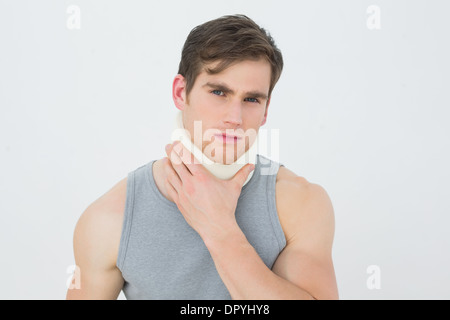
{"x":241,"y":176}
{"x":185,"y":157}
{"x":172,"y":192}
{"x":177,"y":163}
{"x":172,"y":176}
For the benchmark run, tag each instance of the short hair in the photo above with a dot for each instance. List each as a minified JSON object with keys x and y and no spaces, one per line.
{"x":228,"y":40}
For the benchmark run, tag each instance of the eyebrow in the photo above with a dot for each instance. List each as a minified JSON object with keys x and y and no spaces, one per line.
{"x":226,"y":89}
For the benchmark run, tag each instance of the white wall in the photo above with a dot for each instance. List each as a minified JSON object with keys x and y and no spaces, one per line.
{"x":361,"y":112}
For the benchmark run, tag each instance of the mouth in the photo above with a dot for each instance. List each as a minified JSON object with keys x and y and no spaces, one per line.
{"x":226,"y":138}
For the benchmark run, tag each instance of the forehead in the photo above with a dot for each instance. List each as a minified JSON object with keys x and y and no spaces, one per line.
{"x":247,"y":75}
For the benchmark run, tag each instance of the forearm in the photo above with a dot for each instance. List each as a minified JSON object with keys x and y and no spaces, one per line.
{"x":245,"y":274}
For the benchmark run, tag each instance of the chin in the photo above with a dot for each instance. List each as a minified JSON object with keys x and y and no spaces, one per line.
{"x":225,"y":155}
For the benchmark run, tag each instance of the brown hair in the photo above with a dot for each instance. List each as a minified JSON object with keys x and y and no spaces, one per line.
{"x":228,"y":39}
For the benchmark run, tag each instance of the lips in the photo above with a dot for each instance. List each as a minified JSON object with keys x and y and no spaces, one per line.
{"x":228,"y":139}
{"x":228,"y":136}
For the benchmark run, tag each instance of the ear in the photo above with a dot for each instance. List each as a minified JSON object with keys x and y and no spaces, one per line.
{"x":179,"y":91}
{"x":265,"y":113}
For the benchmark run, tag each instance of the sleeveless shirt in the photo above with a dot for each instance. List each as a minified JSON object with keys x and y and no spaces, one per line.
{"x":162,"y":257}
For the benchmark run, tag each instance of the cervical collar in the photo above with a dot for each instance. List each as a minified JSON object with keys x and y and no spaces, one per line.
{"x":221,"y":171}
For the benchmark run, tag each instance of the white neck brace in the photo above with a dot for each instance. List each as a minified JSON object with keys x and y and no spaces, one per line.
{"x":221,"y":171}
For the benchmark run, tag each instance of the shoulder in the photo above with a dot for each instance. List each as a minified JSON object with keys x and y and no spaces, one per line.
{"x":304,"y":208}
{"x":96,"y":243}
{"x":98,"y":231}
{"x":307,"y":219}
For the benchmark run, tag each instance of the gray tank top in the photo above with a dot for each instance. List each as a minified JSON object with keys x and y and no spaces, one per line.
{"x":162,"y":257}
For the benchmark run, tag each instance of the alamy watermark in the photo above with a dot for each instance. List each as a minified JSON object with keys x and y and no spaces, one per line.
{"x":374,"y":280}
{"x":264,"y":138}
{"x":74,"y":281}
{"x":74,"y":17}
{"x":373,"y":21}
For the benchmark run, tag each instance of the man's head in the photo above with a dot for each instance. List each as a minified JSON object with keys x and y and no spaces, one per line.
{"x":228,"y":69}
{"x":228,"y":39}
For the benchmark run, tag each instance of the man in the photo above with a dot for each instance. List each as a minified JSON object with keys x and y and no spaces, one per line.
{"x":173,"y":230}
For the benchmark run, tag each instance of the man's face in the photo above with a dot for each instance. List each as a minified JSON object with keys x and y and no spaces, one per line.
{"x":233,"y":102}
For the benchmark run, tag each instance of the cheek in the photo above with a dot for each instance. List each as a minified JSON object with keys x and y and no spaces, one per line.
{"x":201,"y":101}
{"x":212,"y":102}
{"x":254,"y":116}
{"x":209,"y":107}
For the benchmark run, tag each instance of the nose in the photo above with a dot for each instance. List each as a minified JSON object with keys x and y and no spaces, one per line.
{"x":233,"y":114}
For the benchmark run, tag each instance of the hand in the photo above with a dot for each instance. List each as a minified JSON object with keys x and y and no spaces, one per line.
{"x":207,"y":203}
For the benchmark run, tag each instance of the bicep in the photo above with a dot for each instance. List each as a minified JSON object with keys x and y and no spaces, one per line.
{"x":309,"y":272}
{"x":306,"y":261}
{"x":97,"y":285}
{"x":96,"y":241}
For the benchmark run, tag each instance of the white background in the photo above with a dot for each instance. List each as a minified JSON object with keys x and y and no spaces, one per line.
{"x":361,"y":112}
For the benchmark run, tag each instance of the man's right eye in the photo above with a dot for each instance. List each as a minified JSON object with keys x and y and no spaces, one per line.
{"x":217,"y":92}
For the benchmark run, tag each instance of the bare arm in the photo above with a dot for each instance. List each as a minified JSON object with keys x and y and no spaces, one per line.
{"x":96,"y":244}
{"x":304,"y":270}
{"x":308,"y":222}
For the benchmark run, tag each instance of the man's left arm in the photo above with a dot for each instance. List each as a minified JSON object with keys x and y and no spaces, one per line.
{"x":303,"y":270}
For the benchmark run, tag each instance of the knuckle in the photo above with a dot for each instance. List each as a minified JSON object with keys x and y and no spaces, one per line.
{"x":189,"y":189}
{"x":178,"y":147}
{"x":201,"y":176}
{"x":236,"y":187}
{"x":171,"y":177}
{"x":166,"y":165}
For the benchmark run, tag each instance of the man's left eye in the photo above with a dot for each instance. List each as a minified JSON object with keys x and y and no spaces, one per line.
{"x":252,"y":100}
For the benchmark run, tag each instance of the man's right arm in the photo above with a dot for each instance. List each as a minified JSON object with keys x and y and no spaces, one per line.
{"x":96,"y":246}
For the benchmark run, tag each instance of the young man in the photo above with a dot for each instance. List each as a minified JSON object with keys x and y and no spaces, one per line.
{"x":172,"y":230}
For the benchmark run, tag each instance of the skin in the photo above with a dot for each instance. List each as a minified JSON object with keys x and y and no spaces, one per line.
{"x":303,"y":270}
{"x":213,"y":102}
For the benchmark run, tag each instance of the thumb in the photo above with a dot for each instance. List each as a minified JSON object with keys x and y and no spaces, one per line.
{"x":241,"y":176}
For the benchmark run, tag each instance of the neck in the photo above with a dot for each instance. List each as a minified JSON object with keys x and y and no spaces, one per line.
{"x":221,"y":171}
